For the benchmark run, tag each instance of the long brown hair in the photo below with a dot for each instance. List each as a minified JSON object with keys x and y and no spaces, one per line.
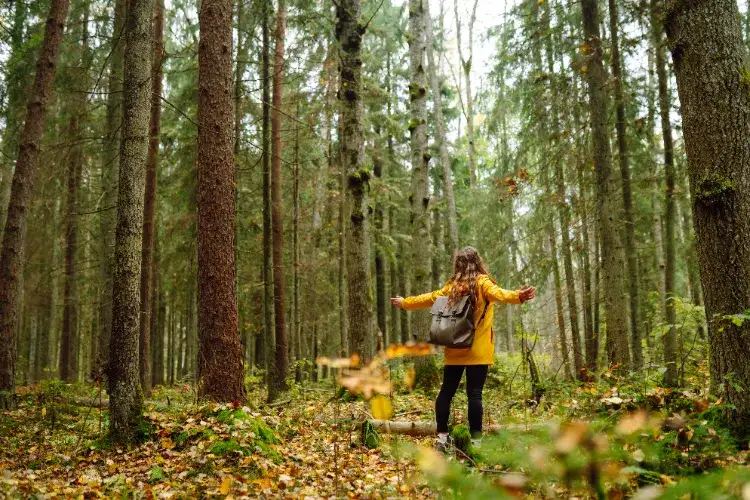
{"x":468,"y":266}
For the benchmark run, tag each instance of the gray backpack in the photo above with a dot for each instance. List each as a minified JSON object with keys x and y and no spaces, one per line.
{"x":453,"y":326}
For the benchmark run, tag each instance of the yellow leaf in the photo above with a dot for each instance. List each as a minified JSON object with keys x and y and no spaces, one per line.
{"x":44,"y":412}
{"x":167,"y":443}
{"x":381,"y":407}
{"x":409,"y":349}
{"x":339,"y":362}
{"x":225,"y":485}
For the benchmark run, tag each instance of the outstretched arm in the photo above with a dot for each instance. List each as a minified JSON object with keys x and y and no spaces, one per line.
{"x":420,"y":301}
{"x":497,"y":294}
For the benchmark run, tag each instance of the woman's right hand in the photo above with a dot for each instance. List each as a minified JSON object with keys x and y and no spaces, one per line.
{"x":398,"y":302}
{"x":526,"y":293}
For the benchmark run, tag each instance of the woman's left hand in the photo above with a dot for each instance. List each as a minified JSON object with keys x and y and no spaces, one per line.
{"x":526,"y":293}
{"x":398,"y":302}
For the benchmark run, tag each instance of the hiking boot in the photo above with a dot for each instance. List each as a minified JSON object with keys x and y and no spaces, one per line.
{"x":476,"y":443}
{"x":445,"y":447}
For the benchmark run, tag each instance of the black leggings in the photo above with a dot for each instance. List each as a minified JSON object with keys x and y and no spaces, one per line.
{"x":475,"y":377}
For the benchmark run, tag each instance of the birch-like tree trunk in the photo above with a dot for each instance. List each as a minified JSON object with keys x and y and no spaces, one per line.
{"x":441,"y":142}
{"x":466,"y":70}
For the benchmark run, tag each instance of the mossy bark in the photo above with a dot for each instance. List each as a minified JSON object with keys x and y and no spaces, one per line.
{"x":359,"y":308}
{"x":420,"y":193}
{"x":126,"y":398}
{"x":705,"y":39}
{"x":109,"y":175}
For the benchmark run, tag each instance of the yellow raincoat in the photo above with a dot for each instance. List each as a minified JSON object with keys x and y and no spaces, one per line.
{"x":482,"y":352}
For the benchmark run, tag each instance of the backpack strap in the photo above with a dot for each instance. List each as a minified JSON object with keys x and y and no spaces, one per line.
{"x":486,"y":306}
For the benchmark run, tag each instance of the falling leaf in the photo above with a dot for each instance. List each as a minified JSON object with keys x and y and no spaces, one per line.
{"x":570,"y":437}
{"x":409,"y":349}
{"x":381,"y":407}
{"x":632,"y":423}
{"x":366,"y":384}
{"x":351,"y":362}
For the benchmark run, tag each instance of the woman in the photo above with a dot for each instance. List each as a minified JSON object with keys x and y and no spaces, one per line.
{"x":470,"y":277}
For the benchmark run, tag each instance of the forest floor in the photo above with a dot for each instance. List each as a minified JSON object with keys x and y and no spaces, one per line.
{"x":309,"y":444}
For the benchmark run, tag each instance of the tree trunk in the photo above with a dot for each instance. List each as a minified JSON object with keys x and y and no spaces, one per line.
{"x":170,"y":339}
{"x":440,"y":141}
{"x":158,"y":313}
{"x":69,"y":358}
{"x":563,"y":207}
{"x":239,"y":89}
{"x":296,"y":318}
{"x":380,"y":295}
{"x":47,"y":302}
{"x":397,"y":277}
{"x":436,"y":227}
{"x":344,"y":341}
{"x":109,"y":174}
{"x":24,"y":177}
{"x":220,"y":371}
{"x":149,"y":208}
{"x":466,"y":68}
{"x":670,"y":337}
{"x":277,"y":383}
{"x":420,"y":193}
{"x":708,"y":54}
{"x":627,"y":197}
{"x":15,"y":78}
{"x":618,"y":351}
{"x":68,"y":338}
{"x":595,"y":342}
{"x":124,"y":387}
{"x":559,"y":307}
{"x":349,"y":36}
{"x":694,"y":284}
{"x":266,"y":341}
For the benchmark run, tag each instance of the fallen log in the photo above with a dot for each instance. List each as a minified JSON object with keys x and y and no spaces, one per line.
{"x":417,"y":428}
